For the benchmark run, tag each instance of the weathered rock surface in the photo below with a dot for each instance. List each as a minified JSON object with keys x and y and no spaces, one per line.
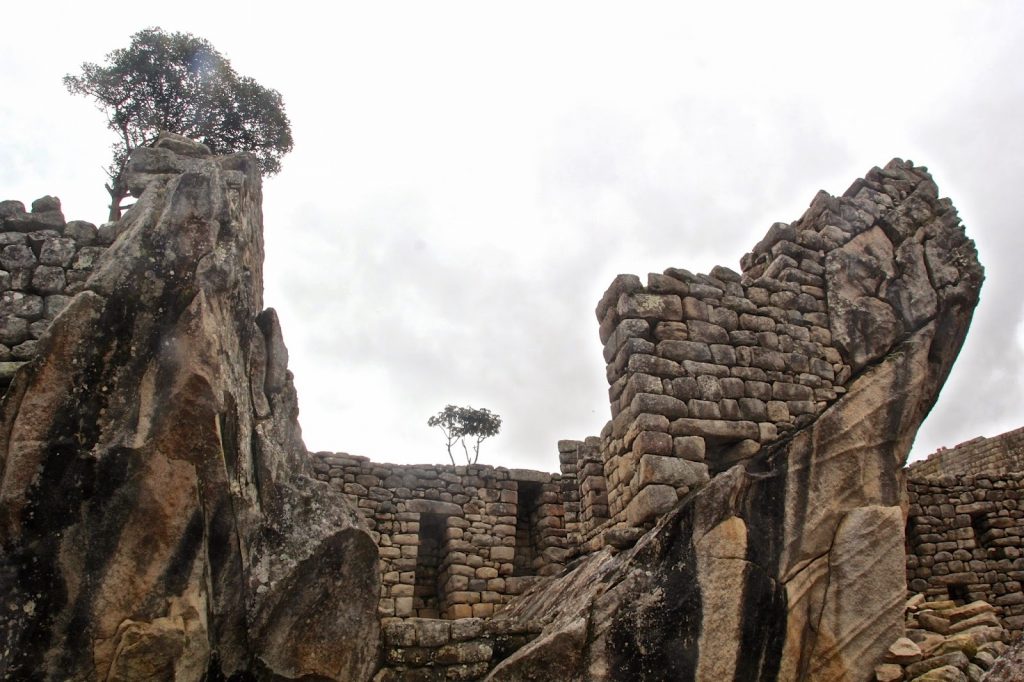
{"x":790,"y":565}
{"x":157,"y":516}
{"x":1009,"y":667}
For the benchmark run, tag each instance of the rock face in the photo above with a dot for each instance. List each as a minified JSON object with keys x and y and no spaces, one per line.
{"x":788,"y":565}
{"x":157,"y":516}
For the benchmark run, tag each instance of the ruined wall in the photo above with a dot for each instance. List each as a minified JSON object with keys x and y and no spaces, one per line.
{"x":964,"y":541}
{"x":706,"y":369}
{"x":997,"y":455}
{"x":44,"y":260}
{"x":454,"y":541}
{"x":760,"y":423}
{"x":421,"y":649}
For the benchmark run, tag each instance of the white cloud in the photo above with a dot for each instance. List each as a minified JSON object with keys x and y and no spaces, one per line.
{"x":467,"y":179}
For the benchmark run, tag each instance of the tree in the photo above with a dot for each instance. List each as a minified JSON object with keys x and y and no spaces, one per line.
{"x":179,"y":83}
{"x":461,"y":423}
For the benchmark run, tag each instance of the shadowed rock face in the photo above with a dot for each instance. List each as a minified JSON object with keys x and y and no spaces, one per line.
{"x":156,"y":516}
{"x":790,"y":565}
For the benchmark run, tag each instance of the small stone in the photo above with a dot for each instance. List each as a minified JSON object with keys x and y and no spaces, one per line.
{"x":48,"y":279}
{"x":25,"y":350}
{"x":17,"y":257}
{"x":57,"y":251}
{"x":47,"y":203}
{"x":888,"y":672}
{"x":903,"y":651}
{"x":13,"y":330}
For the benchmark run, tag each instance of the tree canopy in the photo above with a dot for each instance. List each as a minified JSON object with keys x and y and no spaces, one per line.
{"x":177,"y":82}
{"x":461,"y":423}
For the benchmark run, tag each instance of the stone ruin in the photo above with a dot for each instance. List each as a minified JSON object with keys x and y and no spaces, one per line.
{"x":741,"y":516}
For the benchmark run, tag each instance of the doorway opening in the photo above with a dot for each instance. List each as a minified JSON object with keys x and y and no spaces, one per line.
{"x":428,"y":597}
{"x":527,"y":539}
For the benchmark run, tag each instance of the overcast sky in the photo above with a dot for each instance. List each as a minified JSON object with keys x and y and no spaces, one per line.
{"x":469,"y":177}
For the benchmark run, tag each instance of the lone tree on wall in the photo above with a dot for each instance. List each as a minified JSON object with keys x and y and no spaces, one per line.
{"x":461,"y":423}
{"x":178,"y":83}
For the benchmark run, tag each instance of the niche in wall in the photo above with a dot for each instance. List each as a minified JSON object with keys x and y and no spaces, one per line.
{"x":526,"y":529}
{"x":428,"y":595}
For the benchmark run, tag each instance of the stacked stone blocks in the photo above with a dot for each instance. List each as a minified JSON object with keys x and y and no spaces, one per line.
{"x":438,"y":650}
{"x":447,"y":535}
{"x":997,"y":455}
{"x":44,"y":260}
{"x":704,"y":370}
{"x":965,"y":541}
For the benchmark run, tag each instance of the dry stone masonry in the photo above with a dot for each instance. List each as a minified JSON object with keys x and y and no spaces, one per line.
{"x":965,"y":541}
{"x":997,"y":455}
{"x":945,"y":641}
{"x":704,"y":370}
{"x":44,"y":261}
{"x":739,"y":518}
{"x":454,"y":541}
{"x":760,"y":421}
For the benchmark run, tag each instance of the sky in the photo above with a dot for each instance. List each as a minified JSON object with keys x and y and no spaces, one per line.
{"x":468,"y":178}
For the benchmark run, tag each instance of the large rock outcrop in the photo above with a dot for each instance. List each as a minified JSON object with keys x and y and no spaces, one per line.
{"x":789,"y":564}
{"x":157,"y":517}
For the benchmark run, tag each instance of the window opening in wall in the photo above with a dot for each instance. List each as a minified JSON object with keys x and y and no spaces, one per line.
{"x":979,"y":522}
{"x":526,"y":529}
{"x":428,"y":597}
{"x":958,"y":593}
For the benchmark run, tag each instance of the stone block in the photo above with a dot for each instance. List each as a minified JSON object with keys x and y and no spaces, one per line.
{"x":685,"y":350}
{"x":82,"y":232}
{"x":658,"y":404}
{"x":653,"y":443}
{"x":671,"y":331}
{"x":671,"y":471}
{"x":432,"y":633}
{"x":48,"y":279}
{"x":17,"y":257}
{"x":649,"y":503}
{"x":626,"y":329}
{"x":702,"y":409}
{"x":715,"y":429}
{"x":682,"y":388}
{"x":706,"y":332}
{"x":660,"y":307}
{"x":13,"y":330}
{"x":689,"y":447}
{"x":57,"y":251}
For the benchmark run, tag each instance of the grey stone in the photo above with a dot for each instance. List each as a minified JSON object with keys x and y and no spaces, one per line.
{"x":13,"y":330}
{"x":649,"y":503}
{"x":26,"y":350}
{"x":48,"y":279}
{"x":11,"y":207}
{"x":28,"y":306}
{"x":17,"y":257}
{"x":81,"y":231}
{"x":57,"y":251}
{"x":45,"y":204}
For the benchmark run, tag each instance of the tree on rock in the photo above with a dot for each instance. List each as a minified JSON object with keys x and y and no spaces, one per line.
{"x":461,"y":423}
{"x":177,"y":82}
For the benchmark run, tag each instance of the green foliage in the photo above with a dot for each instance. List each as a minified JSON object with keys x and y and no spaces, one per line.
{"x":179,"y":83}
{"x":461,"y":423}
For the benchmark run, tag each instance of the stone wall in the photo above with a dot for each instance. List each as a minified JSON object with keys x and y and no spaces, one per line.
{"x":705,"y":369}
{"x":44,"y":260}
{"x":964,"y":541}
{"x":429,"y":650}
{"x":455,"y":541}
{"x":997,"y":455}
